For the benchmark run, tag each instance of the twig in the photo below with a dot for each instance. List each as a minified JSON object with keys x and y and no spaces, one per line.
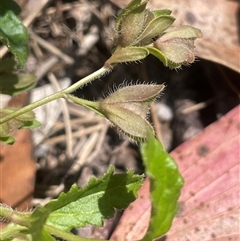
{"x":198,"y":106}
{"x":76,"y":134}
{"x":51,"y":48}
{"x":45,"y":67}
{"x":66,"y":115}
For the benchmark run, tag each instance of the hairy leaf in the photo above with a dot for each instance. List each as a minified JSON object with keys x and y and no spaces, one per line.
{"x":127,"y":9}
{"x":128,"y":54}
{"x":96,"y":201}
{"x":155,"y":28}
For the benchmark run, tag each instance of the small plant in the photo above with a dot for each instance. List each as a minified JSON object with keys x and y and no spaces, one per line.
{"x":139,"y":32}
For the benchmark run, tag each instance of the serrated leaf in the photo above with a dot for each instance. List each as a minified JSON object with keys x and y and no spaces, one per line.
{"x":14,"y":84}
{"x":96,"y":201}
{"x":166,"y":183}
{"x":12,"y":32}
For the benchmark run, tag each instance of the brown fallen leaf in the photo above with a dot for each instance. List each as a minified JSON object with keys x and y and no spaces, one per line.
{"x":17,"y":167}
{"x":209,"y":202}
{"x":218,"y":21}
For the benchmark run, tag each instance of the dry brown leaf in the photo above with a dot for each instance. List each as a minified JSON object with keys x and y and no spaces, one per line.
{"x":17,"y":168}
{"x":218,"y":21}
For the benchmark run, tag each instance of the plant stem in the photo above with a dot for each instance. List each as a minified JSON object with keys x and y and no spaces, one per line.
{"x":60,"y":94}
{"x":14,"y":216}
{"x":67,"y":236}
{"x":92,"y":105}
{"x":11,"y":231}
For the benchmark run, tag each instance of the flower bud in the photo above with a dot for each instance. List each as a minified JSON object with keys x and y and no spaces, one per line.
{"x":127,"y":109}
{"x":137,"y":27}
{"x":176,"y":46}
{"x":132,"y":25}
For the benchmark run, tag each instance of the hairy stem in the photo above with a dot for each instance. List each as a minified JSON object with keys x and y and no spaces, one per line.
{"x":60,"y":94}
{"x":14,"y":216}
{"x":11,"y":231}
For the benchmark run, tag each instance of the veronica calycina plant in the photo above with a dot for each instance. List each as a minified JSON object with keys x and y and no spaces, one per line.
{"x":138,"y":33}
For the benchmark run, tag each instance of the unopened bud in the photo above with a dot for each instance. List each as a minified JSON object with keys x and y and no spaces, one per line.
{"x":127,"y":109}
{"x":177,"y":45}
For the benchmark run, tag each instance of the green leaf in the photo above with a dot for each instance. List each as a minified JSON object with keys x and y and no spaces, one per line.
{"x":183,"y":32}
{"x":14,"y":84}
{"x":128,"y":54}
{"x":129,"y":7}
{"x":12,"y":32}
{"x":37,"y":220}
{"x":126,"y":121}
{"x":11,"y":5}
{"x":135,"y":93}
{"x":158,"y":54}
{"x":30,"y":124}
{"x":46,"y":236}
{"x":154,"y":29}
{"x":132,"y":25}
{"x":161,"y":12}
{"x":4,"y":130}
{"x":24,"y":121}
{"x":11,"y":230}
{"x":91,"y":105}
{"x":7,"y":66}
{"x":166,"y":183}
{"x":27,"y":116}
{"x":96,"y":201}
{"x":177,"y":51}
{"x":7,"y":140}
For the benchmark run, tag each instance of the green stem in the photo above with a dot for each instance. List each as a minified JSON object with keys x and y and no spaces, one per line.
{"x":60,"y":94}
{"x":92,"y":105}
{"x":5,"y":212}
{"x":14,"y":216}
{"x":11,"y":231}
{"x":67,"y":236}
